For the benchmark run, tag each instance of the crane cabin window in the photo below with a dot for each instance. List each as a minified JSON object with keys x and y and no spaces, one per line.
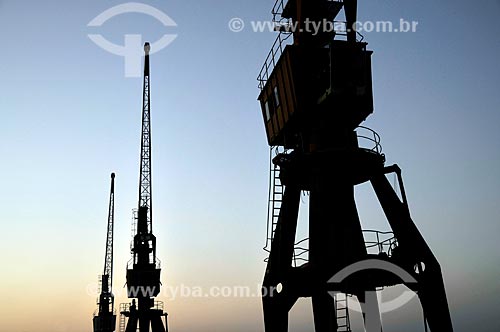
{"x":276,"y":97}
{"x":268,"y":112}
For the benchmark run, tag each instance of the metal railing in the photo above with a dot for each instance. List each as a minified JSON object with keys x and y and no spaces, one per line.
{"x":301,"y":252}
{"x":340,"y":28}
{"x":125,"y":307}
{"x":158,"y":305}
{"x":369,"y":136}
{"x":273,"y":57}
{"x":377,"y":242}
{"x":278,"y":8}
{"x":285,"y":27}
{"x":134,"y":222}
{"x":130,"y":263}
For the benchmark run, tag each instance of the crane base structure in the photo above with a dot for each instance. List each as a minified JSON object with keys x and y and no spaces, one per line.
{"x":337,"y":246}
{"x":147,"y":318}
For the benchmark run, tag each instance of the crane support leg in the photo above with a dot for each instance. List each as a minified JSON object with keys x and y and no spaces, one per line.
{"x":277,"y":304}
{"x":144,"y":323}
{"x":325,"y":318}
{"x":413,"y":252}
{"x":157,"y":324}
{"x":335,"y":234}
{"x":132,"y":324}
{"x":371,"y":312}
{"x":335,"y":239}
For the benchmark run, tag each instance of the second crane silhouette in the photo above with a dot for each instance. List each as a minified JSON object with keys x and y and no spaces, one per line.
{"x":143,"y":270}
{"x":105,"y":318}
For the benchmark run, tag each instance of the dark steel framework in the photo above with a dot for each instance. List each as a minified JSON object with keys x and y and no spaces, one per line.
{"x":143,"y":271}
{"x":314,"y":94}
{"x":105,"y":318}
{"x":145,"y":167}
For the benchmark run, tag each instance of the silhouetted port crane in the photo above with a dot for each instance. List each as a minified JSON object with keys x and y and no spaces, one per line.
{"x":105,"y":316}
{"x":315,"y":93}
{"x":143,"y":271}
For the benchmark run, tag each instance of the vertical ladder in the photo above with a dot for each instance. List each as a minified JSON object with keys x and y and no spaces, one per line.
{"x":275,"y":199}
{"x":122,"y":323}
{"x":276,"y":190}
{"x":342,"y":312}
{"x":123,"y":307}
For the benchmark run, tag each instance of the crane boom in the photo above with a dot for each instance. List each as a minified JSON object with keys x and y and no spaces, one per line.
{"x":145,"y":191}
{"x":108,"y":258}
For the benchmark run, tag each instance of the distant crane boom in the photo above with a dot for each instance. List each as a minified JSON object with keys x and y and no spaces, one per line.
{"x":108,"y":259}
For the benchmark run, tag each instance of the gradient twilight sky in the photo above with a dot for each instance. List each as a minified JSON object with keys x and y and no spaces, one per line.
{"x":70,"y":118}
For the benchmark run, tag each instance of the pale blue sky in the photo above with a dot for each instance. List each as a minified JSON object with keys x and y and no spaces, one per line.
{"x":70,"y":117}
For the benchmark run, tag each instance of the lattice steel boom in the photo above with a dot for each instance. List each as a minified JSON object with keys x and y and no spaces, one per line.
{"x":145,"y":170}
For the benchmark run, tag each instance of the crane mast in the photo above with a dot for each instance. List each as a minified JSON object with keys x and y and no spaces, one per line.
{"x":104,"y":318}
{"x":143,"y":270}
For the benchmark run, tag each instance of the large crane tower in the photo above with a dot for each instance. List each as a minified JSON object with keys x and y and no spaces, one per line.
{"x":105,"y":317}
{"x":316,"y":90}
{"x":143,"y":271}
